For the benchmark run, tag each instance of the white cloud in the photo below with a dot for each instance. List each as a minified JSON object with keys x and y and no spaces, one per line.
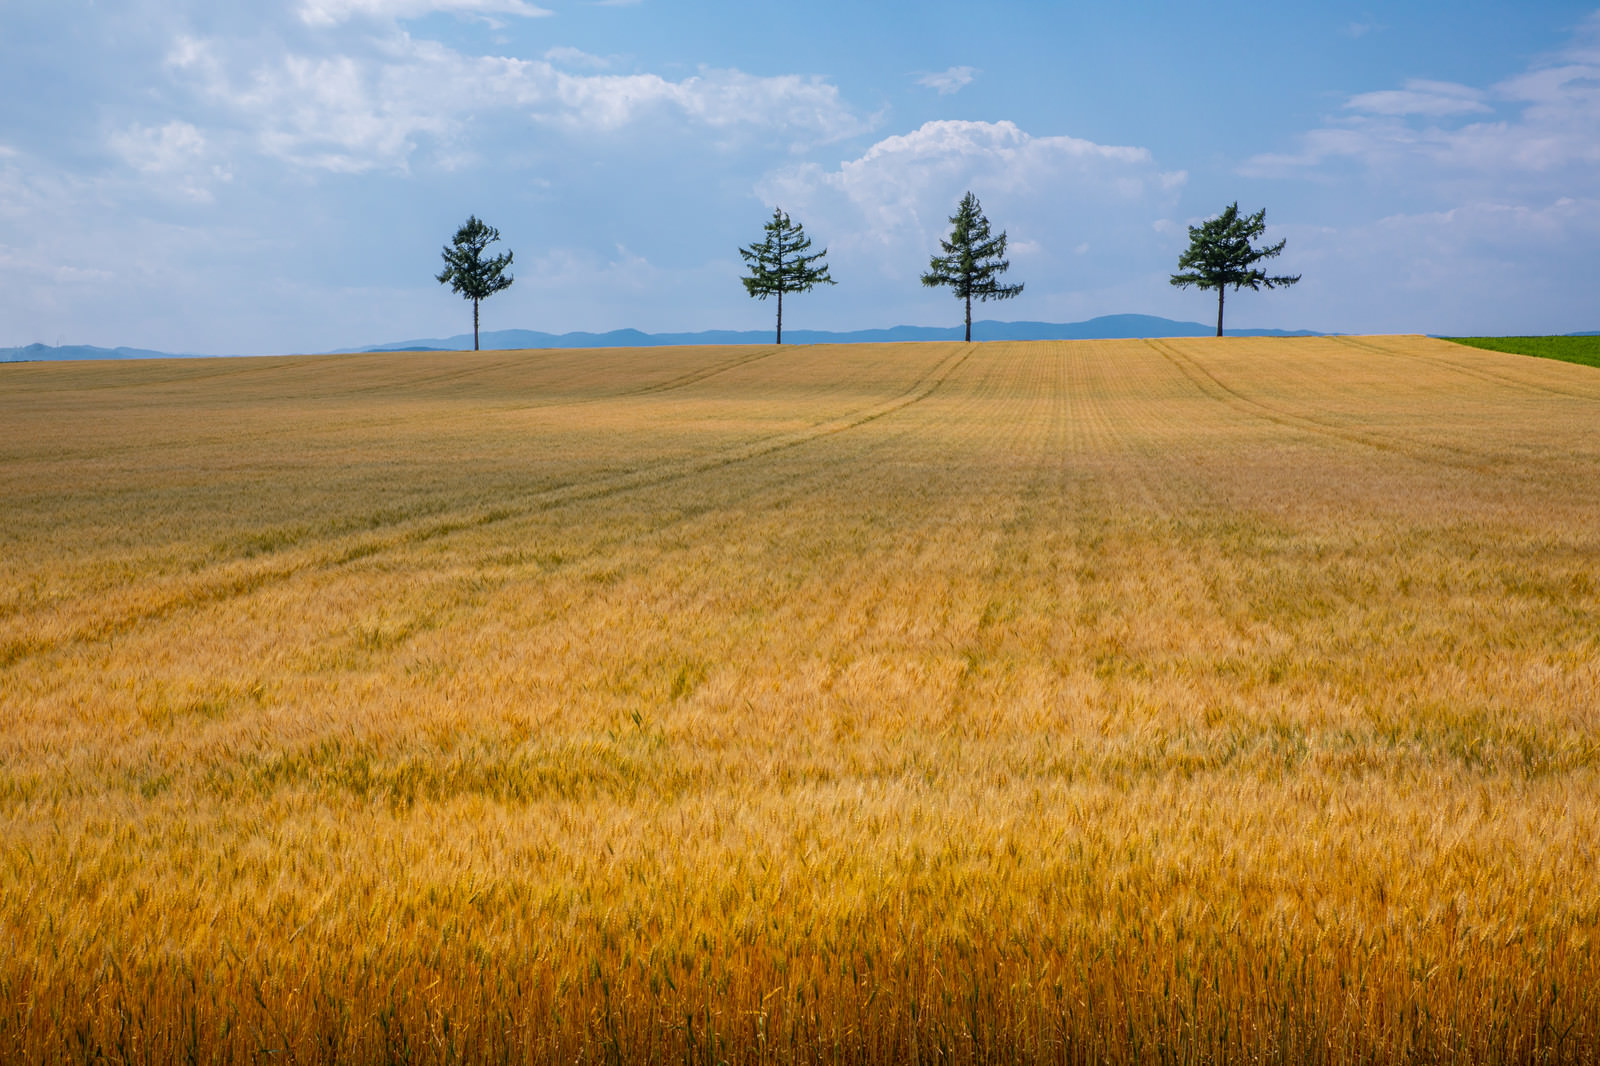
{"x":904,"y":185}
{"x":175,"y":157}
{"x":337,"y":113}
{"x":949,"y":81}
{"x":1502,"y":228}
{"x":188,"y":53}
{"x":334,"y":12}
{"x":77,"y":247}
{"x":1422,"y":98}
{"x":565,"y":56}
{"x":806,"y":107}
{"x":1549,"y":139}
{"x":1480,"y":267}
{"x":124,"y":248}
{"x":162,"y":149}
{"x":351,"y":113}
{"x":882,"y":213}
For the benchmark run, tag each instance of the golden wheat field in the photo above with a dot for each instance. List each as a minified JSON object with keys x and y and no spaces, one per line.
{"x":1176,"y":701}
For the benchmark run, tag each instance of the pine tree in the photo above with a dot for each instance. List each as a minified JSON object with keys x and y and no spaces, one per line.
{"x":1220,"y":254}
{"x":972,"y":260}
{"x":779,"y":264}
{"x":466,"y":270}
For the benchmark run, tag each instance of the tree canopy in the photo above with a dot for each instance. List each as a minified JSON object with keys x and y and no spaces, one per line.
{"x":779,"y":263}
{"x":466,"y":270}
{"x":1221,"y":254}
{"x":973,"y":260}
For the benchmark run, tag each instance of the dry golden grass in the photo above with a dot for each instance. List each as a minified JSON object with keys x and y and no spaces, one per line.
{"x":1186,"y":701}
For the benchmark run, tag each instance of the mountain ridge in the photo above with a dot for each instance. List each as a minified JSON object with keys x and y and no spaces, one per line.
{"x":31,"y":353}
{"x":1103,"y":327}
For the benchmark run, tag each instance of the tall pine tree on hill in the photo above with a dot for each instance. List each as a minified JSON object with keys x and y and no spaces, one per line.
{"x":1220,"y":254}
{"x":466,"y":270}
{"x":779,"y":263}
{"x":973,"y":260}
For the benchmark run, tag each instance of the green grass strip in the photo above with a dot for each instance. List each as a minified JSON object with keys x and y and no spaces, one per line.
{"x":1585,"y":350}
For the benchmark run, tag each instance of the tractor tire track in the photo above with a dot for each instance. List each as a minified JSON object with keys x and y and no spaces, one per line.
{"x":1209,"y":384}
{"x":245,"y":578}
{"x":1470,"y":371}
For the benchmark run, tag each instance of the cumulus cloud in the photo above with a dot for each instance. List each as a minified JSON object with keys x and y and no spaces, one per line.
{"x":882,"y":213}
{"x":1432,"y":132}
{"x":945,"y":82}
{"x":375,"y":110}
{"x":334,"y":12}
{"x":903,"y":186}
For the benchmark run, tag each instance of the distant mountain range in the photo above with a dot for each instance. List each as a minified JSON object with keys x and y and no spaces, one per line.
{"x":36,"y":352}
{"x":1106,"y":327}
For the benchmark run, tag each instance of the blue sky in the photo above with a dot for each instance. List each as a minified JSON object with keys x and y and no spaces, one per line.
{"x":279,"y":176}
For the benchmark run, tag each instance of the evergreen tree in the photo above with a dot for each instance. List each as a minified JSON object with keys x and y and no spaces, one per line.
{"x":779,"y":264}
{"x":973,"y":260}
{"x":466,"y":270}
{"x":1220,"y":254}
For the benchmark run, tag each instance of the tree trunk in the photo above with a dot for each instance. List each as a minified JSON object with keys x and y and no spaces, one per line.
{"x":969,"y":319}
{"x":780,"y":316}
{"x":1221,"y":289}
{"x":474,"y":325}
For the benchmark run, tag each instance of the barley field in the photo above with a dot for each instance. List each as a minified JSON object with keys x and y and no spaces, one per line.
{"x":1181,"y":701}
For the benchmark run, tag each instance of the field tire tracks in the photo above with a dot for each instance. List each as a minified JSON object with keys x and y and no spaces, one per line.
{"x":1209,"y":384}
{"x":246,"y":579}
{"x":1470,"y":371}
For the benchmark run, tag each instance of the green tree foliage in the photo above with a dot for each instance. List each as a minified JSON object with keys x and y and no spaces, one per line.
{"x":779,"y":263}
{"x":1220,"y":254}
{"x":466,"y":270}
{"x":973,"y":260}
